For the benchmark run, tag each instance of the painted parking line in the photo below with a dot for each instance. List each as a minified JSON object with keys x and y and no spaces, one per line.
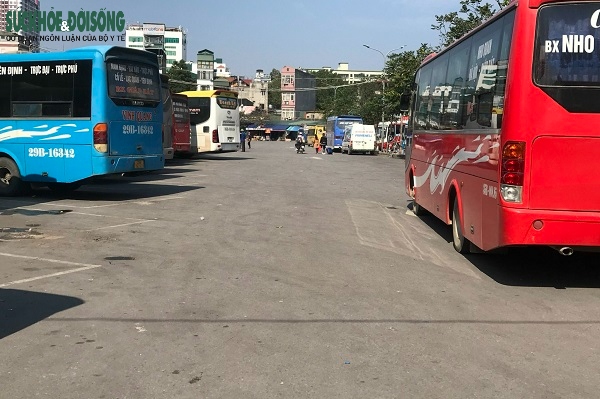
{"x":83,"y":267}
{"x":120,"y":225}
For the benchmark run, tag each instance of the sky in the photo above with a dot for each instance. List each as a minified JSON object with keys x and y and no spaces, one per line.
{"x":270,"y":34}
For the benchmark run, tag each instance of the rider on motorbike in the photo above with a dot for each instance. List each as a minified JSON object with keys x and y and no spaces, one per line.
{"x":300,"y":142}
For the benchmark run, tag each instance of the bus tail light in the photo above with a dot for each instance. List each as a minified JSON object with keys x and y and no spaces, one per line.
{"x":101,"y":137}
{"x":215,"y":136}
{"x":513,"y":171}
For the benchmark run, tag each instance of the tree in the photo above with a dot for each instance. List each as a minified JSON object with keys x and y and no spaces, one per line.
{"x":178,"y":75}
{"x":472,"y":13}
{"x":275,"y":90}
{"x":400,"y":72}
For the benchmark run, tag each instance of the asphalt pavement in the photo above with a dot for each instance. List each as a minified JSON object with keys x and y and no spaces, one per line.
{"x":271,"y":274}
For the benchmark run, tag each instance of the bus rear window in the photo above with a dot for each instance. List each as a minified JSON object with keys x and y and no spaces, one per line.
{"x":567,"y":51}
{"x":130,"y":83}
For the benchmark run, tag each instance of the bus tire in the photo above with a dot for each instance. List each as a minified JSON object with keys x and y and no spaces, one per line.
{"x":459,"y":242}
{"x":10,"y":178}
{"x":417,"y":209}
{"x":64,"y":187}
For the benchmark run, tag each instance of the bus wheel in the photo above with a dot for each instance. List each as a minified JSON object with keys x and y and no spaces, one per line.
{"x":417,"y":209}
{"x":10,"y":178}
{"x":64,"y":187}
{"x":460,"y":243}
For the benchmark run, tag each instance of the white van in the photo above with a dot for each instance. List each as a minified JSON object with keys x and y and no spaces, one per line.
{"x":359,"y":138}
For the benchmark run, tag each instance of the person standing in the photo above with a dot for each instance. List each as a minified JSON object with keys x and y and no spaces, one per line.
{"x":323,"y":143}
{"x":249,"y":140}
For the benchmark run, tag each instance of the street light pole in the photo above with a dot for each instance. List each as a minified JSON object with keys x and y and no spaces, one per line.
{"x":385,"y":57}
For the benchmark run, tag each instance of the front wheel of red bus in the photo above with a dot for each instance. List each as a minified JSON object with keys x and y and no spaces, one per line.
{"x":10,"y":178}
{"x":460,"y":243}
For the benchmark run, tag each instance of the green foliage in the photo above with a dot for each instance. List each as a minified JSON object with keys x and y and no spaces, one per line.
{"x":275,"y":90}
{"x":179,"y":74}
{"x":400,"y":72}
{"x":472,"y":13}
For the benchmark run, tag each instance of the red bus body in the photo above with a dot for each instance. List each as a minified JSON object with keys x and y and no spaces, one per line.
{"x":518,"y":151}
{"x":181,"y":124}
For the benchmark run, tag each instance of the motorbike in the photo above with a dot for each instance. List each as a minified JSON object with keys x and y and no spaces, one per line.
{"x":300,"y":148}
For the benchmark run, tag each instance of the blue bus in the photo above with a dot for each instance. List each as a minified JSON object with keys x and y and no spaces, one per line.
{"x":335,"y":128}
{"x":68,"y":116}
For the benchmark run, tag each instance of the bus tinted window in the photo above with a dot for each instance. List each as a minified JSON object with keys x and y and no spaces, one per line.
{"x":132,"y":81}
{"x":199,"y":109}
{"x":455,"y":110}
{"x":47,"y":89}
{"x":422,"y":105}
{"x":567,"y":52}
{"x":438,"y":91}
{"x":481,"y":80}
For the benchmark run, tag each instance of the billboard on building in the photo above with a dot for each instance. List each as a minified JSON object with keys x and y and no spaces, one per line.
{"x":153,"y":29}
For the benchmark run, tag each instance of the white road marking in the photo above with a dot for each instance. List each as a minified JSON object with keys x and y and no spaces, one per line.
{"x":67,"y":205}
{"x":410,"y":213}
{"x":85,"y":266}
{"x":120,"y":225}
{"x":376,"y":227}
{"x":320,"y":159}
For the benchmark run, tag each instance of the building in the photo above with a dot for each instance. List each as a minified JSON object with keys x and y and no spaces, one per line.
{"x":298,"y":93}
{"x":255,"y":91}
{"x":349,"y":76}
{"x":21,"y":41}
{"x":205,"y":69}
{"x":170,"y":44}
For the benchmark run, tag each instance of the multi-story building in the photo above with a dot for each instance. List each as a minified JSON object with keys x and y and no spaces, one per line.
{"x":158,"y":38}
{"x":205,"y":69}
{"x":350,"y":76}
{"x":256,"y":91}
{"x":24,"y":41}
{"x":298,"y":93}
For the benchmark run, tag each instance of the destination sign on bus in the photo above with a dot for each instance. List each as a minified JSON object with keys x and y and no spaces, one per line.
{"x":131,"y":81}
{"x":227,"y":103}
{"x":34,"y":68}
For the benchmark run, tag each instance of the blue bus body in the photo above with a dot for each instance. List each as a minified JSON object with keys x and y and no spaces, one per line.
{"x":336,"y":126}
{"x":68,"y":116}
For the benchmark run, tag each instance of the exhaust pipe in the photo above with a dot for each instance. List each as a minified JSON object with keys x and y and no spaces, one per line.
{"x":565,"y":251}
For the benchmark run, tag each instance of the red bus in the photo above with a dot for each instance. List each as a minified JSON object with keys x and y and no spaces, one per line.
{"x":181,"y":124}
{"x":504,"y":138}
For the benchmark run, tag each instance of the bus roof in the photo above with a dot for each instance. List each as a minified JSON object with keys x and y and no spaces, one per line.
{"x":209,"y":93}
{"x":86,"y":52}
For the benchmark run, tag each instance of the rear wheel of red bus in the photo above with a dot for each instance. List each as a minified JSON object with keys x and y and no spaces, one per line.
{"x":460,"y":243}
{"x":10,"y":178}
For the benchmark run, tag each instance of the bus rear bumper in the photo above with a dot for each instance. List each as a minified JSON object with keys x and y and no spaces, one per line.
{"x":125,"y":164}
{"x":559,"y":228}
{"x":230,"y":146}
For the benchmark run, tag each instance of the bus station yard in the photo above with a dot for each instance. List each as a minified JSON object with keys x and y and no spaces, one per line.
{"x":268,"y":273}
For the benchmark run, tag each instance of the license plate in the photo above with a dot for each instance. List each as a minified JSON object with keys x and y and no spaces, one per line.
{"x":230,"y":139}
{"x":139,"y":164}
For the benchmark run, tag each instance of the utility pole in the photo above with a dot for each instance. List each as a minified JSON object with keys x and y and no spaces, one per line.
{"x":385,"y":57}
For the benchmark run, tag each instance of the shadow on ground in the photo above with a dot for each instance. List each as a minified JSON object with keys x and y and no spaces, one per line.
{"x":529,"y":266}
{"x":20,"y":309}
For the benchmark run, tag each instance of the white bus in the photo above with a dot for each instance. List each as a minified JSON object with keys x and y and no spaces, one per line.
{"x":214,"y":120}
